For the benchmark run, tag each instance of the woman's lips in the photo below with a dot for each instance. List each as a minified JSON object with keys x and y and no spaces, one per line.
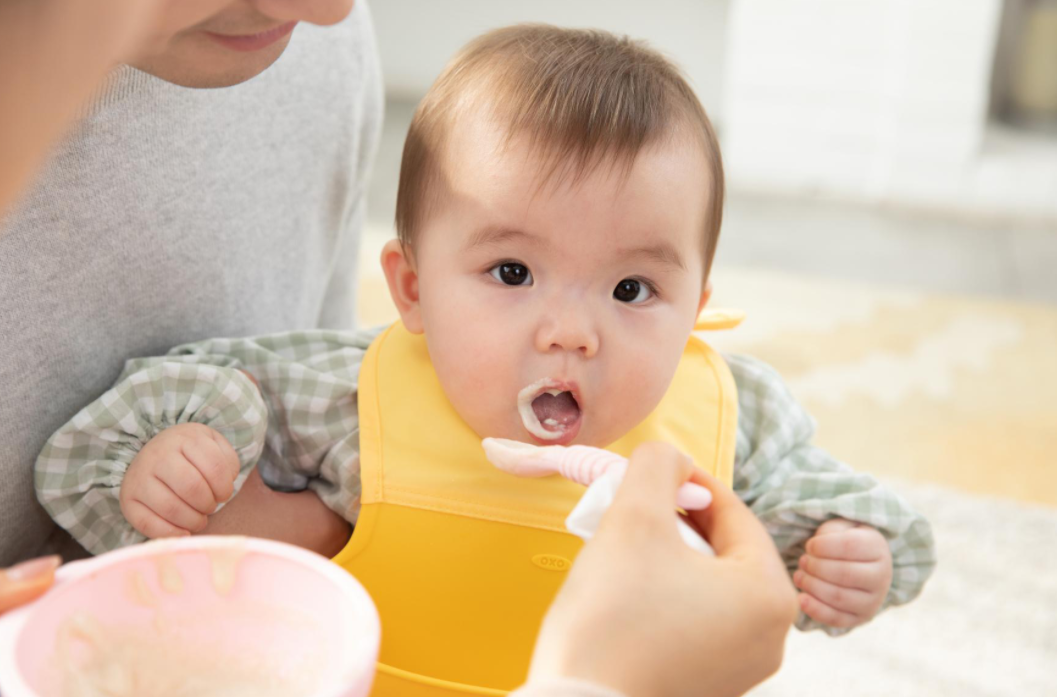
{"x":253,"y":42}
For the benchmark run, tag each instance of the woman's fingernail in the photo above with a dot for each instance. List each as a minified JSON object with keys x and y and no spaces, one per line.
{"x":34,"y":568}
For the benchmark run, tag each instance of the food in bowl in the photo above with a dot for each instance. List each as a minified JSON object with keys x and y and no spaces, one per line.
{"x":194,"y":616}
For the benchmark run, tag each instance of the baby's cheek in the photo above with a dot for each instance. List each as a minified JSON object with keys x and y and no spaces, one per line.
{"x":476,"y":377}
{"x":636,"y":389}
{"x":467,"y":382}
{"x":654,"y":363}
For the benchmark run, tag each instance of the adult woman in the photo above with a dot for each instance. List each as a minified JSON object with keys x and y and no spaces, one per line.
{"x":699,"y":625}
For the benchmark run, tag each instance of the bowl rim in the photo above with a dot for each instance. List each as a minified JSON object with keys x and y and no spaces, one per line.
{"x":12,"y":683}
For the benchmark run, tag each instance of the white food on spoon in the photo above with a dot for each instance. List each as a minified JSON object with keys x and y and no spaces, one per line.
{"x":521,"y":459}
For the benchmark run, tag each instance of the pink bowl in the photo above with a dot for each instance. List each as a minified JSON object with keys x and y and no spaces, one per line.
{"x":336,"y":623}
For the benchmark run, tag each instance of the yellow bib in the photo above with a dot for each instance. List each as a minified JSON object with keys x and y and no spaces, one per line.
{"x":462,"y":559}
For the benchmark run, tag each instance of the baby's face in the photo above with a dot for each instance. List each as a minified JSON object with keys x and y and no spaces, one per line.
{"x":577,"y":298}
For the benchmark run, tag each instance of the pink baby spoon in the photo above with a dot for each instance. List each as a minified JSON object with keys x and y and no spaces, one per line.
{"x":579,"y":463}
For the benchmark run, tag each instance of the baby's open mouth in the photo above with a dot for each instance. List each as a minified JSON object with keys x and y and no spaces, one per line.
{"x":550,"y":410}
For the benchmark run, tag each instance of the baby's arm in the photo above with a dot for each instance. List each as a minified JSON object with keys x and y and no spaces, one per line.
{"x":795,"y":488}
{"x":298,"y":425}
{"x":81,"y":472}
{"x":309,"y":380}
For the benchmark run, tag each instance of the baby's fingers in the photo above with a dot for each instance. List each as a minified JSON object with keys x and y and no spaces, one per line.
{"x":821,"y":612}
{"x":150,"y":523}
{"x":854,"y":544}
{"x":164,"y":502}
{"x":850,"y":600}
{"x":218,"y":462}
{"x":187,"y":482}
{"x":865,"y":576}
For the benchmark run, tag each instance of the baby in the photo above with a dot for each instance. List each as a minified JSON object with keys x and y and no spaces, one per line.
{"x":560,"y":202}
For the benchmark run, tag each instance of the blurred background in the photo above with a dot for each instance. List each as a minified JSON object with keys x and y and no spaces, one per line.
{"x":891,"y":230}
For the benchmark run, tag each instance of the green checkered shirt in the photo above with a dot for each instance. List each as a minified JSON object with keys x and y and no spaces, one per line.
{"x":301,"y":430}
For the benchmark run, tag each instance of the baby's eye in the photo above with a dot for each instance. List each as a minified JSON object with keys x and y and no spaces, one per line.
{"x":633,"y":292}
{"x":512,"y":274}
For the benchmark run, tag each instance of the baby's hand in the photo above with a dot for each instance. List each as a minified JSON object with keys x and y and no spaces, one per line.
{"x":845,"y":574}
{"x":177,"y":480}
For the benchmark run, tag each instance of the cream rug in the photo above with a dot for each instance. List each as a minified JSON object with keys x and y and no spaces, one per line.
{"x":950,"y":390}
{"x":985,"y":625}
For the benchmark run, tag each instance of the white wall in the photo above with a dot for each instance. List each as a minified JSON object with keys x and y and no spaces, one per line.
{"x":877,"y":100}
{"x":416,"y":37}
{"x":874,"y":100}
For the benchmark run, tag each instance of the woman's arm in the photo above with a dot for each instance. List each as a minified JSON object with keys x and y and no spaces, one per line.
{"x":300,"y":519}
{"x":53,"y":55}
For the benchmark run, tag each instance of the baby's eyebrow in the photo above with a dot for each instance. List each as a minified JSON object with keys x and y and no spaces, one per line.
{"x":495,"y":235}
{"x":662,"y":252}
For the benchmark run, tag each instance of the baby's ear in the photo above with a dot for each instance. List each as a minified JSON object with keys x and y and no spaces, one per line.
{"x":402,"y":278}
{"x":706,"y":295}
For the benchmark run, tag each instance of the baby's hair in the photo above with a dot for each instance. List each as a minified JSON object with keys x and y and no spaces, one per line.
{"x":582,"y":97}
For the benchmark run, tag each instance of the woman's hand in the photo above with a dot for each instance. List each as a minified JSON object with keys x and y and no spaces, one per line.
{"x":26,"y":581}
{"x":646,"y":615}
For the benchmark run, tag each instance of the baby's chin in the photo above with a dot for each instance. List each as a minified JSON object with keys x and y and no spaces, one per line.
{"x":586,"y":434}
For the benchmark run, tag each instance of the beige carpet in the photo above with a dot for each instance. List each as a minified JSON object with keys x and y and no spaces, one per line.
{"x":959,"y":391}
{"x":953,"y":402}
{"x":985,"y":625}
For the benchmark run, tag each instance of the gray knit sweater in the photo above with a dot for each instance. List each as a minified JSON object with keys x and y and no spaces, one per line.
{"x":172,"y":215}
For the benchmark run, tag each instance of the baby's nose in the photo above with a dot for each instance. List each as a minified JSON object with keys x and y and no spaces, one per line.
{"x":570,"y":330}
